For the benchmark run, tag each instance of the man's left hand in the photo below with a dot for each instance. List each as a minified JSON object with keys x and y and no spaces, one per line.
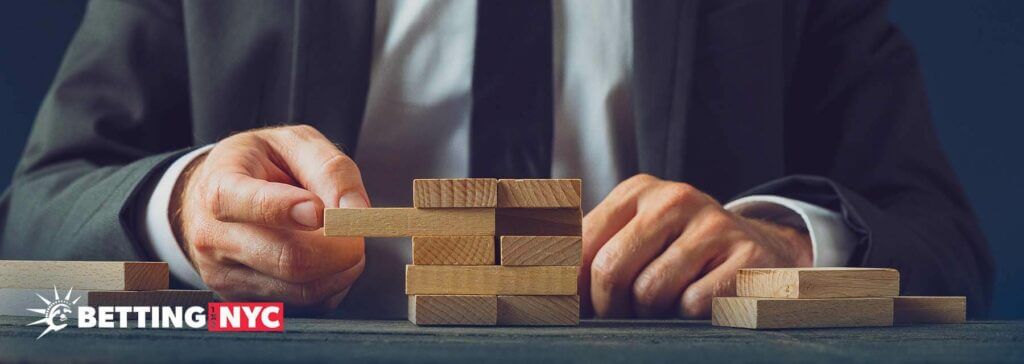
{"x":655,"y":248}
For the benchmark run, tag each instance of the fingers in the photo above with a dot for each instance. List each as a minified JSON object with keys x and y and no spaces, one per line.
{"x":319,"y":166}
{"x":617,"y":264}
{"x":291,"y":256}
{"x":695,"y":302}
{"x":240,"y":283}
{"x":236,"y":197}
{"x":659,"y":285}
{"x":610,"y":216}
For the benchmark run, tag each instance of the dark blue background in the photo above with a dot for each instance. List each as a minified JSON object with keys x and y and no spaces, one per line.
{"x":972,"y":53}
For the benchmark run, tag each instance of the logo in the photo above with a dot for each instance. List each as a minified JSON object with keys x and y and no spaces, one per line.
{"x":56,"y":313}
{"x":246,"y":316}
{"x":223,"y":316}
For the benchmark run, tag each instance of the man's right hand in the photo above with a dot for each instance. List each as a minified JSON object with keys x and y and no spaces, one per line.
{"x":249,"y":215}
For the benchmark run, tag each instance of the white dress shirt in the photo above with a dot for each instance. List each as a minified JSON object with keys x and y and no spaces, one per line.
{"x":417,"y":126}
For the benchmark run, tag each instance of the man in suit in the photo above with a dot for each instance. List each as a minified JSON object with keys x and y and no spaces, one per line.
{"x":806,"y":119}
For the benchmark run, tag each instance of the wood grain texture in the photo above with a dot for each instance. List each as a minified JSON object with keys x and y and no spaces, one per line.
{"x":455,"y":193}
{"x":453,"y":250}
{"x":489,"y":280}
{"x":929,"y":310}
{"x":128,"y":276}
{"x":539,"y":193}
{"x":392,"y":222}
{"x":541,"y":250}
{"x":538,"y":222}
{"x":454,"y":310}
{"x":784,"y":313}
{"x":539,"y":310}
{"x":817,"y":282}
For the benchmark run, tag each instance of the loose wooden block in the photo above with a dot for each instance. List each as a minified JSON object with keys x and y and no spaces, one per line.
{"x":784,"y":313}
{"x":391,"y":222}
{"x":817,"y":282}
{"x":539,"y":193}
{"x":539,"y":222}
{"x":127,"y":276}
{"x":929,"y":310}
{"x":489,"y":280}
{"x":17,"y":301}
{"x":455,"y":193}
{"x":476,"y":310}
{"x":539,"y":310}
{"x":541,"y":250}
{"x":453,"y":250}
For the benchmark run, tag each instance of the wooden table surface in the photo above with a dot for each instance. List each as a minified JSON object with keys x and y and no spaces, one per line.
{"x":594,"y":341}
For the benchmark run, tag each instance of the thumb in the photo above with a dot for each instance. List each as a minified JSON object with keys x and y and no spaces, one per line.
{"x":319,"y":166}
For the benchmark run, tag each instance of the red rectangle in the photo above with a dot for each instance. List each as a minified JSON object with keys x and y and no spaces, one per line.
{"x":245,"y":316}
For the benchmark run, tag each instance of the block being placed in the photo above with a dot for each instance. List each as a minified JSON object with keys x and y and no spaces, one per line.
{"x":489,"y":280}
{"x":541,"y":250}
{"x":453,"y":250}
{"x":539,"y":193}
{"x":468,"y":310}
{"x":817,"y":282}
{"x":455,"y":193}
{"x":539,"y":310}
{"x":929,"y":310}
{"x":785,"y":313}
{"x":539,"y":222}
{"x":392,"y":222}
{"x":126,"y":276}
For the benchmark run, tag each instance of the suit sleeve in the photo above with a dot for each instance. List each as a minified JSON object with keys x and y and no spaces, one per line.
{"x":860,"y":142}
{"x":117,"y":112}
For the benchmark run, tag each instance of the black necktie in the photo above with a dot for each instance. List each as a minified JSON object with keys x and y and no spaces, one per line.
{"x":511,"y":128}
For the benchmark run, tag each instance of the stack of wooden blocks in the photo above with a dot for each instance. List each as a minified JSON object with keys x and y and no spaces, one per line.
{"x":484,"y":251}
{"x":780,"y":298}
{"x":24,"y":283}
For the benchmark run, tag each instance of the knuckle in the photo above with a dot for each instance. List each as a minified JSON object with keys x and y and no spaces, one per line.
{"x":645,"y":291}
{"x":310,"y":294}
{"x":339,"y":163}
{"x":680,"y":194}
{"x":693,"y":301}
{"x":717,"y":221}
{"x":293,"y":263}
{"x":303,"y":131}
{"x":607,"y":275}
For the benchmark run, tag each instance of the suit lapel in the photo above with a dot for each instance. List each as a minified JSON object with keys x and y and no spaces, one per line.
{"x":333,"y":43}
{"x":663,"y":42}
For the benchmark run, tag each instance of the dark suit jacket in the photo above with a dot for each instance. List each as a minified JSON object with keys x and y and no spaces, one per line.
{"x":812,"y":99}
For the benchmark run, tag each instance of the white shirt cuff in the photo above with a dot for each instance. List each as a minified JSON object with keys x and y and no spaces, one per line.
{"x":157,"y":233}
{"x":832,"y":241}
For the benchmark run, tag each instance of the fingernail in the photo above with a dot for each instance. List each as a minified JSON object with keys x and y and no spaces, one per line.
{"x":352,"y":200}
{"x":304,"y":213}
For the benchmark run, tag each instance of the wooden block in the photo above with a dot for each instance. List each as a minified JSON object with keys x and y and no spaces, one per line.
{"x":489,"y":280}
{"x":390,"y":222}
{"x":539,"y":193}
{"x":127,"y":276}
{"x":539,"y":222}
{"x":455,"y":193}
{"x":453,"y":310}
{"x":453,"y":250}
{"x":17,"y":301}
{"x":929,"y":310}
{"x":541,"y":250}
{"x":817,"y":282}
{"x":539,"y":310}
{"x":784,"y":313}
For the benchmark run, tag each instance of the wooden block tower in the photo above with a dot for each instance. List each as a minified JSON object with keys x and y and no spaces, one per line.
{"x":484,"y":251}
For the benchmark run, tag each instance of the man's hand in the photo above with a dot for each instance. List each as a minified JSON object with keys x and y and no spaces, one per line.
{"x":250,"y":211}
{"x":654,"y":248}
